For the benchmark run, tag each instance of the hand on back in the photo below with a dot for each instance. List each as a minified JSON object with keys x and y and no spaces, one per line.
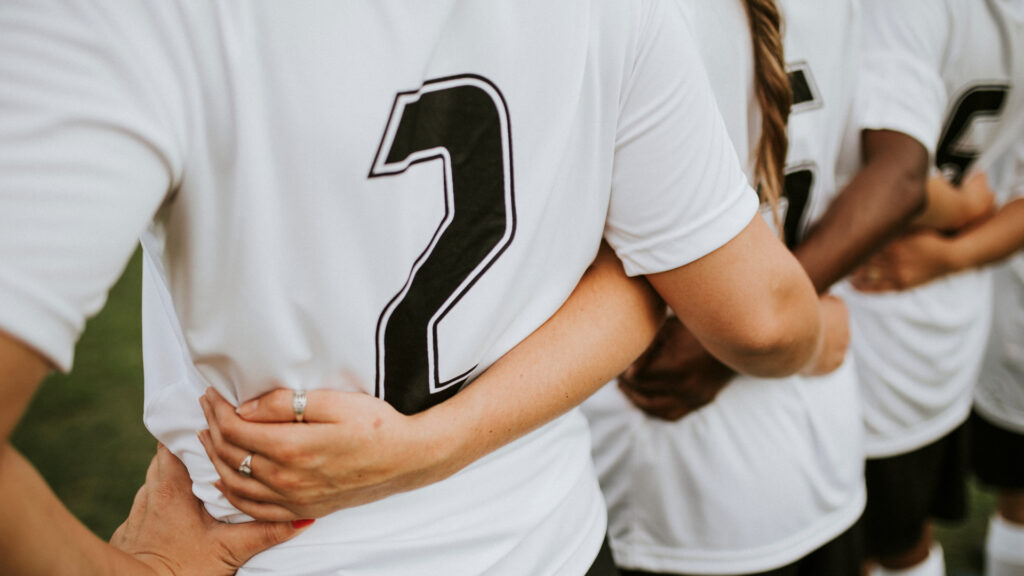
{"x":169,"y":533}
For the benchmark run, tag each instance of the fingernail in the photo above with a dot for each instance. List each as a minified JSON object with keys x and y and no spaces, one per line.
{"x":298,"y":524}
{"x":248,"y":408}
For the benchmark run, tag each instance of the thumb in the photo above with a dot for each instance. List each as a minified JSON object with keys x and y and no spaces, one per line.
{"x":243,"y":541}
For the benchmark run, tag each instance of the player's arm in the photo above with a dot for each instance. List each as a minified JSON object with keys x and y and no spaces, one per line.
{"x":748,"y":301}
{"x":168,"y":532}
{"x":927,"y":255}
{"x":876,"y":205}
{"x":951,"y":208}
{"x":335,"y":459}
{"x":995,"y":239}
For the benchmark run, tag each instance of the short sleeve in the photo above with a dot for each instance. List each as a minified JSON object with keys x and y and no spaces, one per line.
{"x":85,"y":160}
{"x":901,"y":86}
{"x":678,"y":191}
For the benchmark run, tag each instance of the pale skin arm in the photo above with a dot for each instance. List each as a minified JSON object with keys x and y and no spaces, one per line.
{"x":678,"y":375}
{"x":759,"y":311}
{"x":926,"y":255}
{"x":311,"y":469}
{"x":166,"y":533}
{"x":951,"y":208}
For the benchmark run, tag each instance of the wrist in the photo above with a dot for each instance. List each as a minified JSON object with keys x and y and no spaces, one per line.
{"x":122,"y":562}
{"x":433,"y":445}
{"x":955,"y":255}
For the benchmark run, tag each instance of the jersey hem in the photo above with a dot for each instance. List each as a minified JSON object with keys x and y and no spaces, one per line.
{"x":996,"y":419}
{"x":920,"y":436}
{"x":674,"y":560}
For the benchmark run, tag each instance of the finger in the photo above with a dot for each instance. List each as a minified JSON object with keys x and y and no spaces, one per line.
{"x":268,"y":439}
{"x":664,"y":407}
{"x":170,"y":472}
{"x":243,"y":541}
{"x":234,"y":482}
{"x":872,"y":285}
{"x":650,"y":385}
{"x":265,"y":511}
{"x":260,"y":484}
{"x":279,"y":406}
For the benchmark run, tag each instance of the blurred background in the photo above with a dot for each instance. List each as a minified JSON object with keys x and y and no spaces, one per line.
{"x":84,"y":430}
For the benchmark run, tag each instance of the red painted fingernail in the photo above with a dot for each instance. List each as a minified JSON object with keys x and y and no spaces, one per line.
{"x":297,"y":524}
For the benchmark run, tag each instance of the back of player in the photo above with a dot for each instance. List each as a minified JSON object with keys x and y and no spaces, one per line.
{"x":944,"y":74}
{"x":412,"y":292}
{"x":771,"y":470}
{"x":997,"y":426}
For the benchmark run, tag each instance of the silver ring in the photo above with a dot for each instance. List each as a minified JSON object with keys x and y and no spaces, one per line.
{"x":245,"y":468}
{"x":299,"y":404}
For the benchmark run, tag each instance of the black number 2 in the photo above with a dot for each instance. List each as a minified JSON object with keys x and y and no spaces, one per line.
{"x":463,"y":123}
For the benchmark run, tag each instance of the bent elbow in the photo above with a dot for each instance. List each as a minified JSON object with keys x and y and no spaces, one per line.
{"x":784,"y":347}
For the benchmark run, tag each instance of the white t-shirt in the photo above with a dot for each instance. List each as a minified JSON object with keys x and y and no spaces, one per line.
{"x":941,"y":72}
{"x":303,"y":171}
{"x":999,"y":395}
{"x":772,"y":469}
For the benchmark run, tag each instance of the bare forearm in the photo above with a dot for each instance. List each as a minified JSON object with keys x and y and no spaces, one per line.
{"x":880,"y":201}
{"x":951,"y":208}
{"x":606,"y":323}
{"x":995,"y":239}
{"x":38,"y":536}
{"x":749,"y":303}
{"x":34,"y":523}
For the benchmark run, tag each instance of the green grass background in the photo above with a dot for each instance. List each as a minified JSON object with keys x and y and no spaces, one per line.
{"x":84,"y":430}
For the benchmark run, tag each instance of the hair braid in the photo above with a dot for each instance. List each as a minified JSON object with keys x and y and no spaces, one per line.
{"x":774,"y":96}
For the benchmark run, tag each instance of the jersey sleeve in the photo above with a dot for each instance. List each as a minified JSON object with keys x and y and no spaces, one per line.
{"x":901,"y":86}
{"x":85,"y":160}
{"x":678,"y":192}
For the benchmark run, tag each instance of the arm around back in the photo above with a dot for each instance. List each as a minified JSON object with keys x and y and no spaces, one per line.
{"x":749,"y":302}
{"x":876,"y":205}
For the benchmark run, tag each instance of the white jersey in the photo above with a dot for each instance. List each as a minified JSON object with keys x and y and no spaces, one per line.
{"x":772,"y":469}
{"x":999,"y":395}
{"x":305,"y":169}
{"x":943,"y":73}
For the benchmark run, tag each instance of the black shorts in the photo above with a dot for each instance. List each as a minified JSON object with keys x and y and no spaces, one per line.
{"x":603,"y":565}
{"x":906,"y":490}
{"x":997,"y":454}
{"x":839,"y":557}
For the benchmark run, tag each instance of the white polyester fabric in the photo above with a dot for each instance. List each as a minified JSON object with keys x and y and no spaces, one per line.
{"x":999,"y":395}
{"x":773,"y":468}
{"x":303,"y":170}
{"x":926,"y":65}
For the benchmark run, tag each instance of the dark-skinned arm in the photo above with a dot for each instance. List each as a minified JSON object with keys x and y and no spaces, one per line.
{"x":877,"y":205}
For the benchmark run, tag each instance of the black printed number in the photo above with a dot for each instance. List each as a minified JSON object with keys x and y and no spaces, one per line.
{"x":797,"y":189}
{"x":463,"y":123}
{"x":952,"y":157}
{"x":800,"y":178}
